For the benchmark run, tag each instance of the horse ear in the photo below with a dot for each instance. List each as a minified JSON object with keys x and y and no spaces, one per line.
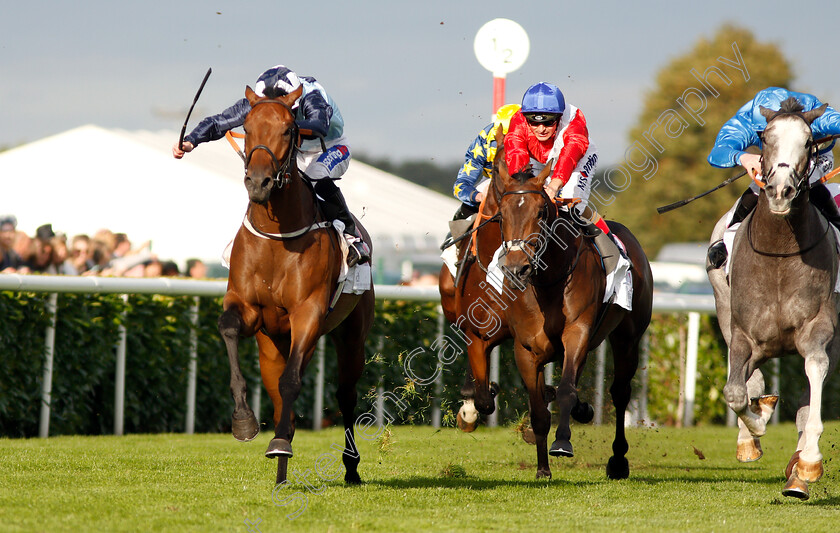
{"x":545,"y":171}
{"x":292,"y":97}
{"x":250,"y":95}
{"x":768,"y":114}
{"x":814,"y":114}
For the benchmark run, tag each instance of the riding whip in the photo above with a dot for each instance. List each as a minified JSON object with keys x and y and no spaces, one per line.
{"x":184,"y":127}
{"x":669,"y":207}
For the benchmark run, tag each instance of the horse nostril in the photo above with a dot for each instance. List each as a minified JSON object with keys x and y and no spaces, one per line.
{"x":265,"y":182}
{"x":788,"y":192}
{"x":524,"y":271}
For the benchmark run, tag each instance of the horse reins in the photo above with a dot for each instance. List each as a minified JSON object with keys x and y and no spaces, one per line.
{"x":285,"y":170}
{"x":801,"y":185}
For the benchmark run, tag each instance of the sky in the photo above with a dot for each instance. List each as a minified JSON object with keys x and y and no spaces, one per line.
{"x":404,"y":74}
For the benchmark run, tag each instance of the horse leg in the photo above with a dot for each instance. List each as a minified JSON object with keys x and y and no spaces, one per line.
{"x":244,"y":424}
{"x":574,"y":343}
{"x":305,"y":327}
{"x":625,"y":349}
{"x":349,"y":340}
{"x":467,"y":418}
{"x":749,"y":447}
{"x":485,"y":392}
{"x":735,"y":390}
{"x":273,"y":353}
{"x":534,"y":381}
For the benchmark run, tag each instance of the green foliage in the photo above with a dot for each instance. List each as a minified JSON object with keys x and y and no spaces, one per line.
{"x":667,"y":356}
{"x":404,"y":338}
{"x":682,"y":170}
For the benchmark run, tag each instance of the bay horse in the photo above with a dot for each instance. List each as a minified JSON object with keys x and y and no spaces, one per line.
{"x":282,"y":282}
{"x":552,"y":303}
{"x":780,"y":298}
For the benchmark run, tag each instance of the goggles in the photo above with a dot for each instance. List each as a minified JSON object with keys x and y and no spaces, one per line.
{"x":542,"y":119}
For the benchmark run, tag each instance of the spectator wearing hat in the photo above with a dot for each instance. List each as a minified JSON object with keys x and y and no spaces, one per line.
{"x":10,"y":260}
{"x":44,"y":258}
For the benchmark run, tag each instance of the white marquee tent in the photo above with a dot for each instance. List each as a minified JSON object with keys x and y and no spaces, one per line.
{"x":90,"y":178}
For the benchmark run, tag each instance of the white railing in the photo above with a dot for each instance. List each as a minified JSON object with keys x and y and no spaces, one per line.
{"x":694,"y":305}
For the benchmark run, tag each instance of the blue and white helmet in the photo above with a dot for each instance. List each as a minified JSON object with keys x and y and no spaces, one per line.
{"x":279,"y":77}
{"x":543,"y":99}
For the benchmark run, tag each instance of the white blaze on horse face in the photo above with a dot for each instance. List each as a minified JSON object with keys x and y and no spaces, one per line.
{"x":785,"y":153}
{"x":521,"y":201}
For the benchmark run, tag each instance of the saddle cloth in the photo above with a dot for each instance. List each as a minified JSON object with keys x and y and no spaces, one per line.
{"x":619,"y":288}
{"x":354,"y":280}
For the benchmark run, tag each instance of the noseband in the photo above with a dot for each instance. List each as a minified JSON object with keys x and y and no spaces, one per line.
{"x":519,"y":244}
{"x":282,"y":171}
{"x":802,"y":178}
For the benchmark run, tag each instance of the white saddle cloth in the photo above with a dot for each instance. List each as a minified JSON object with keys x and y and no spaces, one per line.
{"x":358,"y":279}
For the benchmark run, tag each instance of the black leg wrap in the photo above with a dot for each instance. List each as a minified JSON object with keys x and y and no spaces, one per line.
{"x":464,"y":212}
{"x":744,"y":207}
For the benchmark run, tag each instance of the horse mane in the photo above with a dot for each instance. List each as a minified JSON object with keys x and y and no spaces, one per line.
{"x":791,"y":105}
{"x":274,"y":92}
{"x":523,"y":175}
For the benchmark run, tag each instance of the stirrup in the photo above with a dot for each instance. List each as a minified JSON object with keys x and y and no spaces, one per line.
{"x":717,"y":254}
{"x":357,"y":253}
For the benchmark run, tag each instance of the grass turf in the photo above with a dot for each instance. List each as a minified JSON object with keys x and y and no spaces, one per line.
{"x":416,"y":479}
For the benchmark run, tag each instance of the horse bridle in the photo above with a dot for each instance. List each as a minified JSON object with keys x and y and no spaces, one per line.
{"x":802,"y":184}
{"x":519,"y":244}
{"x":282,"y":174}
{"x":802,"y":179}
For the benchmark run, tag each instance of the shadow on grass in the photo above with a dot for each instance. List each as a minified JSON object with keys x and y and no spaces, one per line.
{"x":424,"y":482}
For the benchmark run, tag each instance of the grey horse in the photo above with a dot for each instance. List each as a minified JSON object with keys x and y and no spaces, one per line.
{"x":779,"y":297}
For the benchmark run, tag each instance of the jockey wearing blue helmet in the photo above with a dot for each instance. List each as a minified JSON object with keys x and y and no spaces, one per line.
{"x":543,"y":98}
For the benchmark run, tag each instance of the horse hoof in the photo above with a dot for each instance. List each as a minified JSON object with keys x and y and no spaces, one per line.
{"x":544,"y":474}
{"x":463,"y":425}
{"x":583,"y":412}
{"x":809,"y":472}
{"x":749,"y":450}
{"x":352,"y":478}
{"x":793,"y":460}
{"x":561,"y":449}
{"x":618,"y":468}
{"x":278,"y":448}
{"x":245,"y":429}
{"x":530,"y":438}
{"x":796,"y":488}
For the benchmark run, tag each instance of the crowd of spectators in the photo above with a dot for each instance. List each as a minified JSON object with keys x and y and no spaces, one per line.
{"x":104,"y":254}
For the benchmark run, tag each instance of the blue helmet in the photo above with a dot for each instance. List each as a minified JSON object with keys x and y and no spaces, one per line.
{"x":543,"y":98}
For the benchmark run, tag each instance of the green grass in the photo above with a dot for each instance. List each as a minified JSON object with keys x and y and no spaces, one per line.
{"x":418,"y":480}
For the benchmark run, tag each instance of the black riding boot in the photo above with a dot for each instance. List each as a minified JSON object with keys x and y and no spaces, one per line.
{"x":335,"y":207}
{"x":464,"y":212}
{"x":717,"y":252}
{"x":822,"y":200}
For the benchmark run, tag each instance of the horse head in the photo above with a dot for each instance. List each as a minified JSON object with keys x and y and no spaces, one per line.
{"x":270,"y":137}
{"x":524,"y":209}
{"x":788,"y":155}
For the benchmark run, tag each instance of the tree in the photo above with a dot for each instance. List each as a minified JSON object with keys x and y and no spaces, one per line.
{"x":666,"y":161}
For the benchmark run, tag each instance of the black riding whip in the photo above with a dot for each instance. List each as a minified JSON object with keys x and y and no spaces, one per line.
{"x":184,"y":128}
{"x":669,"y":207}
